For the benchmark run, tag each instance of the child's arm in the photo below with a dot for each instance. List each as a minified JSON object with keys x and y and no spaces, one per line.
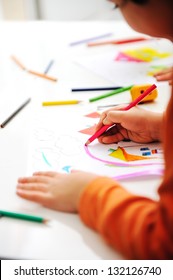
{"x":136,"y":124}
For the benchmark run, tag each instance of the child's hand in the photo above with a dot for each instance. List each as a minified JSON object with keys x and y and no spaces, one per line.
{"x":54,"y":190}
{"x":135,"y":124}
{"x":165,"y":75}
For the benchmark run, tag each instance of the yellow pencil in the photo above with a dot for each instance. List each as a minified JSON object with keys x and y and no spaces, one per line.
{"x":60,"y":102}
{"x":44,"y":76}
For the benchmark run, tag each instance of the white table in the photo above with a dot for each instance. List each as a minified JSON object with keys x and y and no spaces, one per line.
{"x":36,"y":43}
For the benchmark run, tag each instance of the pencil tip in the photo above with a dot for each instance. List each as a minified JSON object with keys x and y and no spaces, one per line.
{"x":87,"y":143}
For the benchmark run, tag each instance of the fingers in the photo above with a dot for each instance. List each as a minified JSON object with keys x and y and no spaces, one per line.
{"x":34,"y":179}
{"x":114,"y":117}
{"x":105,"y":114}
{"x":45,"y":173}
{"x":111,"y":138}
{"x":40,"y":177}
{"x":110,"y":117}
{"x":114,"y":135}
{"x":35,"y":196}
{"x":165,"y":75}
{"x":100,"y":123}
{"x":32,"y":187}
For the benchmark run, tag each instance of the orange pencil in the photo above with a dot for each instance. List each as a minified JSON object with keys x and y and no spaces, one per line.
{"x":44,"y":76}
{"x":18,"y":62}
{"x":117,"y":42}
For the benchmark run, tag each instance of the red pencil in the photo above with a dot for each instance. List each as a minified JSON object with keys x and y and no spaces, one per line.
{"x":117,"y":42}
{"x":132,"y":104}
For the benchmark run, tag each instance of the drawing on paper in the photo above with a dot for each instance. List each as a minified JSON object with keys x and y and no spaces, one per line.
{"x":154,"y":69}
{"x":60,"y":147}
{"x":89,"y":131}
{"x":141,"y":55}
{"x":123,"y":156}
{"x":120,"y":153}
{"x":93,"y":115}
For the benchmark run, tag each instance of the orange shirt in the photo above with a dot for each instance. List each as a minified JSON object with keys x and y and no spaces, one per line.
{"x":138,"y":227}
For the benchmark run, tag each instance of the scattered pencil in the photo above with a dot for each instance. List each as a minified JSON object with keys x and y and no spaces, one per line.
{"x":48,"y":66}
{"x":44,"y":76}
{"x":116,"y":91}
{"x":60,"y":102}
{"x":3,"y":124}
{"x":41,"y":75}
{"x":22,"y":216}
{"x":18,"y":63}
{"x":129,"y":106}
{"x":95,"y":89}
{"x":100,"y":107}
{"x":90,"y":39}
{"x":117,"y":42}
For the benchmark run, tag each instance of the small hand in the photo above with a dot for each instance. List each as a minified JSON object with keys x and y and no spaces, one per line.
{"x":55,"y":190}
{"x":136,"y":124}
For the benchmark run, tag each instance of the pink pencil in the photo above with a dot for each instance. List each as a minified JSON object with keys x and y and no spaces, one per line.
{"x":132,"y":104}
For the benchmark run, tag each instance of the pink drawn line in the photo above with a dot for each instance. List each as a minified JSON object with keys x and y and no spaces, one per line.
{"x":156,"y":171}
{"x":118,"y":163}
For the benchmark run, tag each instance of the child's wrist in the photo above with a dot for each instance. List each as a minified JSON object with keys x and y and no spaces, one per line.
{"x":156,"y":126}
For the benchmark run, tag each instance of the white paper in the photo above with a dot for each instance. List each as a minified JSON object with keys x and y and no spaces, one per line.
{"x":57,"y":144}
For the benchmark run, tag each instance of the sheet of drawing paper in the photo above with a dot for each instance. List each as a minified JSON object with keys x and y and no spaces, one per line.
{"x":57,"y":143}
{"x":122,"y":72}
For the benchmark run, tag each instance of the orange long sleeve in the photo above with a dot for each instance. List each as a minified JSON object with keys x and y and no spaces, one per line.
{"x":136,"y":226}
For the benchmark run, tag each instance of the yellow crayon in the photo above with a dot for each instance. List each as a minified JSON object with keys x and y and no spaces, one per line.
{"x":60,"y":102}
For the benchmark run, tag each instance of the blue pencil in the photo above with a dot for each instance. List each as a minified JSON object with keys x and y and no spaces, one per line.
{"x":48,"y":66}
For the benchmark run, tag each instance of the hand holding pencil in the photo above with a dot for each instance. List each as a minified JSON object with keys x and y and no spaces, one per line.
{"x":120,"y":125}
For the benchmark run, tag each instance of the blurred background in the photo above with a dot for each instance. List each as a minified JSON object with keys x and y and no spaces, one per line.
{"x":62,"y":10}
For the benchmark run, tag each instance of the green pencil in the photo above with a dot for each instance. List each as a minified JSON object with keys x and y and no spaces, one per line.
{"x":22,"y":216}
{"x":110,"y":93}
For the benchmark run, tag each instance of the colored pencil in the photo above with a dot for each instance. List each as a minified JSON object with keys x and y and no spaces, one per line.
{"x":117,"y":42}
{"x":129,"y":106}
{"x":110,"y":105}
{"x":95,"y":89}
{"x":110,"y":93}
{"x":48,"y":66}
{"x":3,"y":124}
{"x":44,"y":76}
{"x":60,"y":102}
{"x":18,"y":62}
{"x":90,"y":39}
{"x":41,"y":75}
{"x":21,"y":216}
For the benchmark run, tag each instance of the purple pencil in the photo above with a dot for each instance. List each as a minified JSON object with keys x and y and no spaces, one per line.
{"x":90,"y":39}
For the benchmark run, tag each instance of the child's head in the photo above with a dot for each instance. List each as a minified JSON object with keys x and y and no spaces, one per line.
{"x":152,"y":17}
